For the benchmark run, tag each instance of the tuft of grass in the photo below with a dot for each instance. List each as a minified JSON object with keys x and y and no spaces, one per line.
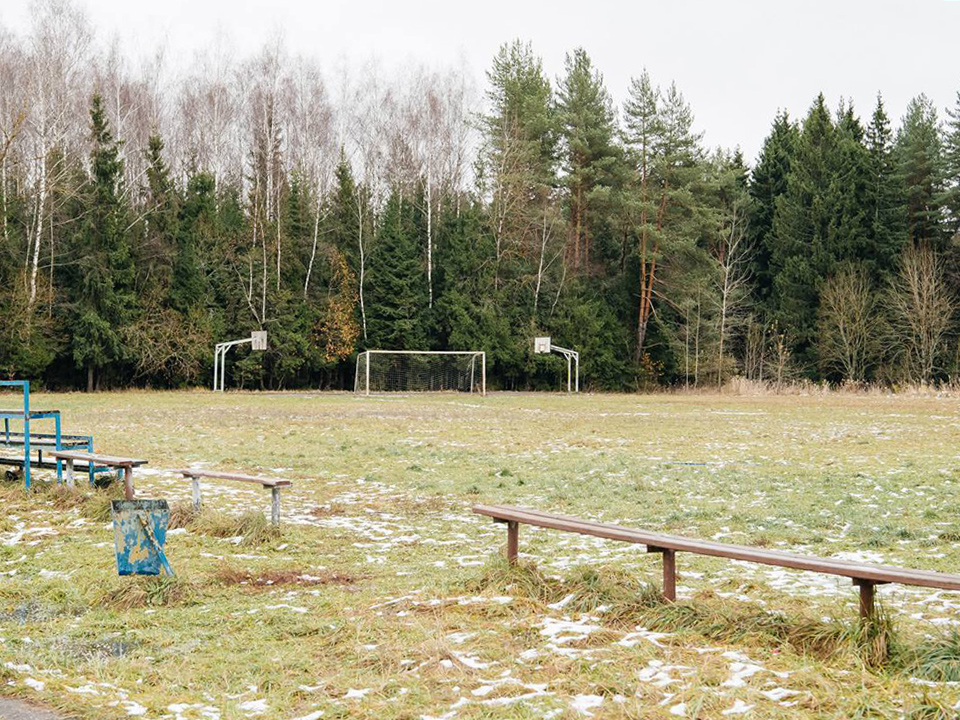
{"x":874,"y":639}
{"x":938,"y":658}
{"x":521,"y":580}
{"x":252,"y":526}
{"x":64,"y":497}
{"x":930,"y":709}
{"x":623,"y":600}
{"x":97,"y":505}
{"x":140,"y":591}
{"x":182,"y":514}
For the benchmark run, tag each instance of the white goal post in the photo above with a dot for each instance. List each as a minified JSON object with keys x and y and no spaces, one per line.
{"x":421,"y":371}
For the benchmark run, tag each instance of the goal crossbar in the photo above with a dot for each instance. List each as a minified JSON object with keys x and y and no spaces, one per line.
{"x":421,"y":371}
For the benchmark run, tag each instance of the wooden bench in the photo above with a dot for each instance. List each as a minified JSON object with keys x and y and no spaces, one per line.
{"x":273,"y":483}
{"x":865,"y":576}
{"x":92,"y":459}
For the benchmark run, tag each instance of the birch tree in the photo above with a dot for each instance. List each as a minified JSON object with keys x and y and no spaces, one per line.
{"x":59,"y":48}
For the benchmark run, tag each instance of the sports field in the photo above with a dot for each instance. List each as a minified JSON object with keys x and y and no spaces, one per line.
{"x":383,"y":596}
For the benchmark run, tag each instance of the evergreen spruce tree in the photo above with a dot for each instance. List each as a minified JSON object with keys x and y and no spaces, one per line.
{"x":951,"y":166}
{"x":802,"y":253}
{"x":162,"y":219}
{"x":397,"y":300}
{"x":919,"y":164}
{"x":197,"y":223}
{"x":768,"y":181}
{"x":106,"y":300}
{"x":849,"y":238}
{"x":883,"y":199}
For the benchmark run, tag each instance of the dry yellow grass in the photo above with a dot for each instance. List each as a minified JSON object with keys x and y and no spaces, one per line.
{"x":382,"y":596}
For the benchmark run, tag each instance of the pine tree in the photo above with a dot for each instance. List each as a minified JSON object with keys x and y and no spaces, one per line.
{"x":668,"y":159}
{"x":106,"y":302}
{"x":586,"y":118}
{"x":519,"y":158}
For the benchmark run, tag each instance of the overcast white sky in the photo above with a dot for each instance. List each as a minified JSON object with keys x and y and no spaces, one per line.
{"x":737,"y":61}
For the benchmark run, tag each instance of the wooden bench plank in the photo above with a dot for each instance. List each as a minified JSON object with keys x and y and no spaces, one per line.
{"x":273,"y":483}
{"x":112,"y":461}
{"x":864,"y":572}
{"x":266,"y":482}
{"x":108,"y":460}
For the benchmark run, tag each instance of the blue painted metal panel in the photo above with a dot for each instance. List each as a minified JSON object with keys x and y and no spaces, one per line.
{"x":139,"y":533}
{"x":27,"y":439}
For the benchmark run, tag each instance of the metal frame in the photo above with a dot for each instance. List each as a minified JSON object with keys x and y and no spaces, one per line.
{"x":258,"y":339}
{"x":39,"y":441}
{"x":573,"y":358}
{"x":475,"y":353}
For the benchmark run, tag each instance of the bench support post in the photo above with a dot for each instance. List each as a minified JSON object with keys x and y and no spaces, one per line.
{"x":670,"y":575}
{"x":513,"y":541}
{"x":275,"y":506}
{"x":867,"y":606}
{"x":669,"y":571}
{"x":195,"y":488}
{"x":128,"y":482}
{"x":70,"y":483}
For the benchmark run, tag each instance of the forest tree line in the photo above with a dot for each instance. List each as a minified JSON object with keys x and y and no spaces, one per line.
{"x":144,"y":219}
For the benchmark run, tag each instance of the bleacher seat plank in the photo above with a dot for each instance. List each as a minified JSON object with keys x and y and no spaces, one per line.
{"x":865,"y":575}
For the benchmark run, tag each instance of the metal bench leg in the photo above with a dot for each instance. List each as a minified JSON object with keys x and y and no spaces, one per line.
{"x":513,"y":541}
{"x":275,"y":506}
{"x":195,"y":483}
{"x":58,"y":446}
{"x":91,"y":466}
{"x":70,"y":483}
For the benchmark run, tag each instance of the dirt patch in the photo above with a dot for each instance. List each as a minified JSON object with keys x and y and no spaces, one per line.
{"x":272,"y":578}
{"x":19,"y":710}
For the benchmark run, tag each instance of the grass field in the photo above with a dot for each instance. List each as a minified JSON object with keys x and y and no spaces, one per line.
{"x":383,"y":596}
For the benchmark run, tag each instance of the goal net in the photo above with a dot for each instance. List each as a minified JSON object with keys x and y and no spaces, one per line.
{"x":421,"y":371}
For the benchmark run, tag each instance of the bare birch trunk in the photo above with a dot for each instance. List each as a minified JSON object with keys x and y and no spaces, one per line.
{"x":313,"y":251}
{"x":363,"y":264}
{"x":429,"y":236}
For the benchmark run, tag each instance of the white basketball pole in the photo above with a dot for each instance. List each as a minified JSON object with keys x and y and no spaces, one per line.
{"x":543,"y":345}
{"x":258,"y":339}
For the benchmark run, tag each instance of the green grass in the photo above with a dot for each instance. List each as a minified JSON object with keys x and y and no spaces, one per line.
{"x":382,"y":595}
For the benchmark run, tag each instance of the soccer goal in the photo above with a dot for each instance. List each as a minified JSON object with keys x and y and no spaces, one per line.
{"x":421,"y":371}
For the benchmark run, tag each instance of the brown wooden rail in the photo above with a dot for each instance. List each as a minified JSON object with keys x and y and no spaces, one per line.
{"x":864,"y":575}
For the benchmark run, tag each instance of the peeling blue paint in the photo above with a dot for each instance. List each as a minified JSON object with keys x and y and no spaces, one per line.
{"x":134,"y":522}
